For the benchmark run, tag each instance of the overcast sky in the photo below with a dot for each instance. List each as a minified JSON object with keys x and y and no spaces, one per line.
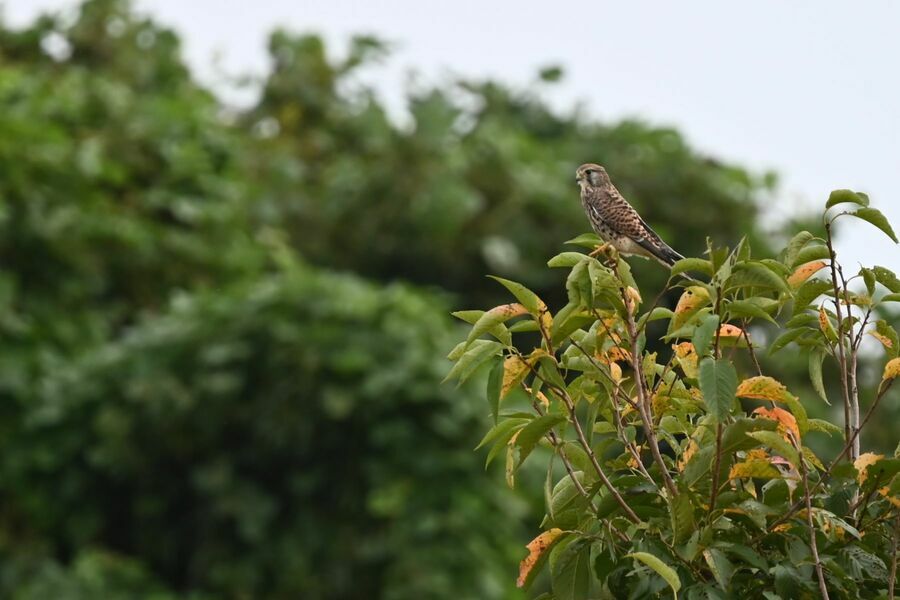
{"x":809,"y":89}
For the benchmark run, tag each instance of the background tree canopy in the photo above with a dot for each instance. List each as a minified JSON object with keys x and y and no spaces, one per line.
{"x":224,"y":332}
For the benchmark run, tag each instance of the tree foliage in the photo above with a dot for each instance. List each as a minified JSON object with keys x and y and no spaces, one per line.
{"x":190,"y":404}
{"x":691,"y":474}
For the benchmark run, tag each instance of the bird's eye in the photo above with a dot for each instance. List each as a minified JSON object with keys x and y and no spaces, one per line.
{"x":588,"y":172}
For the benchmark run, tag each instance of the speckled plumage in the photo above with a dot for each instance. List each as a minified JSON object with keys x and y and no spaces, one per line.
{"x":614,"y":219}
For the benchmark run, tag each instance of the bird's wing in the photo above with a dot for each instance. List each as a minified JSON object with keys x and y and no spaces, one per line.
{"x":622,"y":217}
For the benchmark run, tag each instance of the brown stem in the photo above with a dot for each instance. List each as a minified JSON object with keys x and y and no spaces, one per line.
{"x":593,"y":458}
{"x":715,"y":480}
{"x":563,"y":395}
{"x":893,"y":577}
{"x":750,"y":347}
{"x":796,"y":506}
{"x":812,"y":529}
{"x":640,"y":383}
{"x":620,"y":425}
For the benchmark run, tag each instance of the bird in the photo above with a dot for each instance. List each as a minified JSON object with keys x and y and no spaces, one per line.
{"x":616,"y":221}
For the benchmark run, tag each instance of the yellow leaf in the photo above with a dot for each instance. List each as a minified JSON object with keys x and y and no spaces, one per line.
{"x":615,"y":372}
{"x":508,"y":311}
{"x":536,"y":548}
{"x":693,"y":298}
{"x":892,"y":369}
{"x":514,"y":370}
{"x":863,"y":463}
{"x":825,"y":324}
{"x":762,"y":388}
{"x":614,"y":354}
{"x":754,"y":467}
{"x":885,"y":341}
{"x":786,"y":421}
{"x":634,"y":299}
{"x":687,"y":455}
{"x":687,"y":358}
{"x":886,"y":492}
{"x":804,"y":272}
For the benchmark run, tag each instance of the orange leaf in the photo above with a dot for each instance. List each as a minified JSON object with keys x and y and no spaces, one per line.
{"x":687,"y":455}
{"x":536,"y":549}
{"x":786,"y":421}
{"x":863,"y":463}
{"x":804,"y":272}
{"x":885,"y":341}
{"x":762,"y":388}
{"x":728,"y":330}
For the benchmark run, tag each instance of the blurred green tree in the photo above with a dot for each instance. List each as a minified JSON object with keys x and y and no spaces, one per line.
{"x":189,"y":404}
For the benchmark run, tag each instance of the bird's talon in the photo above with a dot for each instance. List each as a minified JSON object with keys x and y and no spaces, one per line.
{"x":600,"y":249}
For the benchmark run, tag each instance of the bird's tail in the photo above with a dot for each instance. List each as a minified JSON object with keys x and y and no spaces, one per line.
{"x":667,"y":256}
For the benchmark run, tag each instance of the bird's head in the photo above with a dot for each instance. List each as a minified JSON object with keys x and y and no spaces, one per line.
{"x":591,"y":175}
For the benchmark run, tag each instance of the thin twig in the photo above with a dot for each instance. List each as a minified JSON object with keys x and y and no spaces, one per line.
{"x":563,"y":395}
{"x":842,"y":363}
{"x":640,"y":384}
{"x":893,"y":577}
{"x":809,"y":520}
{"x":797,"y":505}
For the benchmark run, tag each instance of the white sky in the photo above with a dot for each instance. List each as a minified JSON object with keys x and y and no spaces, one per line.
{"x":804,"y":88}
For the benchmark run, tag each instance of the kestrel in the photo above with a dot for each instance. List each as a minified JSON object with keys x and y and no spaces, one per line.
{"x":614,"y":220}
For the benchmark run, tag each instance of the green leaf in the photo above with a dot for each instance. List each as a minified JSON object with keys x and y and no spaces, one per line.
{"x":786,"y":338}
{"x":704,"y":333}
{"x":808,"y":292}
{"x":773,"y":440}
{"x":682,"y":513}
{"x":842,"y":196}
{"x":657,"y":314}
{"x":797,"y":409}
{"x":721,"y":567}
{"x":795,"y":245}
{"x":586,"y":240}
{"x":692,"y":264}
{"x":492,"y":322}
{"x":570,"y":569}
{"x":478,"y":353}
{"x":869,"y":278}
{"x":661,"y":568}
{"x":887,"y":278}
{"x":755,"y":274}
{"x":816,"y":357}
{"x":745,"y":308}
{"x":718,"y":383}
{"x":494,"y":383}
{"x":532,"y":433}
{"x":498,"y":431}
{"x":526,"y":297}
{"x":876,"y":218}
{"x":811,"y":253}
{"x":566,"y":501}
{"x":825,"y":427}
{"x":565,"y":259}
{"x":890,"y":298}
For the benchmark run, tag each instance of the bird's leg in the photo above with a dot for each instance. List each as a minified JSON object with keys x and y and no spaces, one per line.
{"x":600,"y":249}
{"x":609,"y":253}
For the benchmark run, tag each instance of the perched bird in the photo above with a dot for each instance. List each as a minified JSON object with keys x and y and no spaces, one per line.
{"x":614,"y":220}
